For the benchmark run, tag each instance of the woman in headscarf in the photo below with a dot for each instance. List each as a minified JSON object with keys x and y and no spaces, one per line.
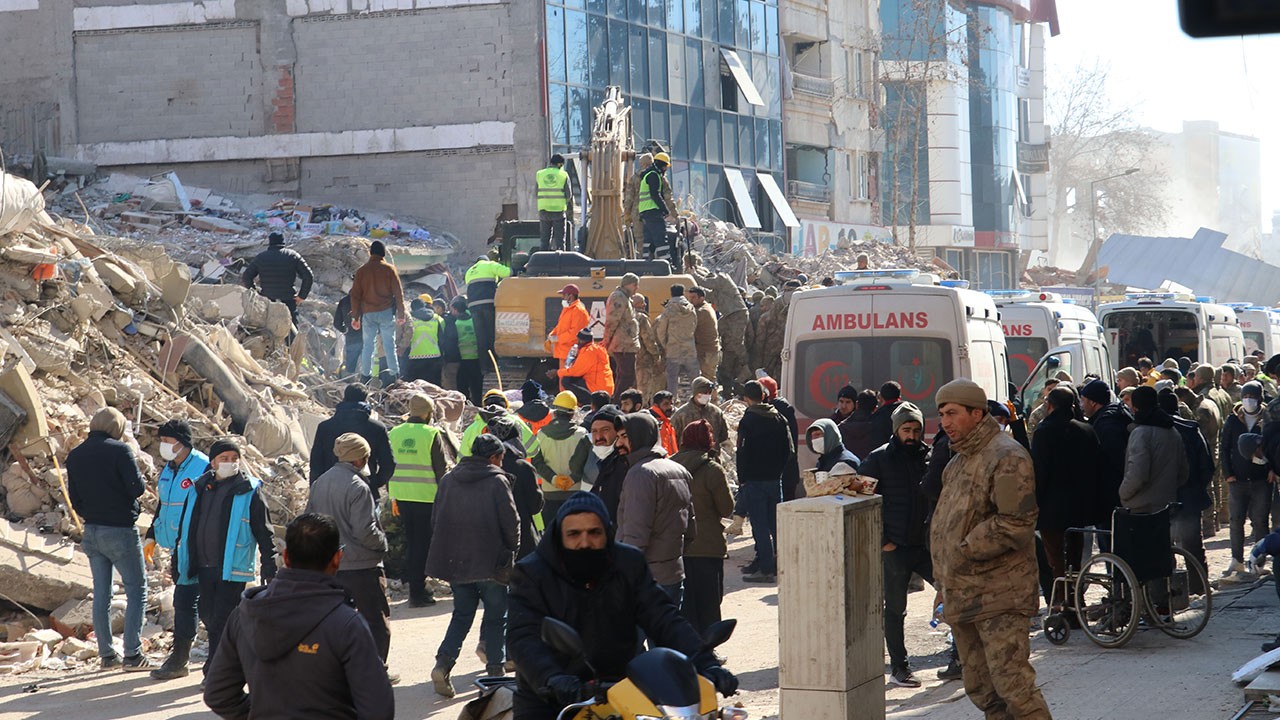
{"x":712,"y":502}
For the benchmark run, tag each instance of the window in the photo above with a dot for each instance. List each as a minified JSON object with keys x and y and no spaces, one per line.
{"x":857,"y":87}
{"x":575,"y":24}
{"x":657,"y":65}
{"x":639,"y":51}
{"x":728,"y":91}
{"x":739,"y":77}
{"x":677,"y":74}
{"x":1024,"y":121}
{"x":851,"y":172}
{"x":864,"y":177}
{"x":1024,"y":187}
{"x":598,"y":49}
{"x":619,"y":73}
{"x":556,"y":71}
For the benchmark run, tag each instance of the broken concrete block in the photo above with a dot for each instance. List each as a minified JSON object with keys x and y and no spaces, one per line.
{"x":73,"y":618}
{"x":116,"y":277}
{"x":22,"y":497}
{"x":50,"y":638}
{"x":215,"y":224}
{"x":100,"y":296}
{"x":18,"y":657}
{"x":39,"y":571}
{"x":175,"y":285}
{"x":31,"y":438}
{"x":78,"y":649}
{"x":29,"y":256}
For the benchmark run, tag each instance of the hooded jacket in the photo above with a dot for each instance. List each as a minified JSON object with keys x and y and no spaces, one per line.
{"x":675,"y":329}
{"x":900,"y":470}
{"x":1156,"y":464}
{"x":304,"y":651}
{"x":343,"y":495}
{"x":882,"y":424}
{"x":764,"y":445}
{"x":655,"y":513}
{"x":1234,"y":464}
{"x":475,"y":527}
{"x":354,"y":417}
{"x":1111,"y":423}
{"x":607,"y":612}
{"x":103,"y":481}
{"x":1068,"y":460}
{"x":621,"y":329}
{"x":833,"y":450}
{"x":526,"y":492}
{"x":534,"y":410}
{"x":1194,"y":496}
{"x":982,"y":536}
{"x":712,"y":502}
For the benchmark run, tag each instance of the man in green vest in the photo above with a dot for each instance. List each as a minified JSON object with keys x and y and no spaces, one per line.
{"x":426,"y":361}
{"x":482,"y":280}
{"x":461,"y":346}
{"x":555,"y":203}
{"x":561,"y":458}
{"x":420,"y":462}
{"x":655,"y":211}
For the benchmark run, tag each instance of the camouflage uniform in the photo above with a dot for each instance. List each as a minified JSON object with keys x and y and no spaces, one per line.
{"x":707,"y":339}
{"x":651,"y":368}
{"x":692,"y":411}
{"x":620,"y":337}
{"x":983,"y":545}
{"x":1208,"y":416}
{"x":771,"y":335}
{"x":734,"y":369}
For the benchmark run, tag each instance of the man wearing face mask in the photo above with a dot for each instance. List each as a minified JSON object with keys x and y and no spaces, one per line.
{"x":824,"y":441}
{"x":1249,"y":493}
{"x":582,"y":576}
{"x":183,"y":466}
{"x":222,"y":524}
{"x":342,"y":493}
{"x":573,"y":318}
{"x":606,"y":468}
{"x":700,"y":407}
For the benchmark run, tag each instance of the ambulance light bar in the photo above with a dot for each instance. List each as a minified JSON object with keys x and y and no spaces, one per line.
{"x":961,"y":284}
{"x":1151,"y":296}
{"x":907,"y":275}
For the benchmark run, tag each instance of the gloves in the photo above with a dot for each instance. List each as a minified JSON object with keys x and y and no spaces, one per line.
{"x":149,"y":551}
{"x":567,"y":689}
{"x":395,"y":508}
{"x":726,"y":683}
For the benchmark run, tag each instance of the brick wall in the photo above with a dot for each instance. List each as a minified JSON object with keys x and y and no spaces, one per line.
{"x":191,"y":81}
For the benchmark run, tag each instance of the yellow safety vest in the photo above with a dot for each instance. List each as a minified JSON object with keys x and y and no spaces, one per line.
{"x":426,"y":338}
{"x":551,"y":182}
{"x":414,"y":479}
{"x":646,"y":197}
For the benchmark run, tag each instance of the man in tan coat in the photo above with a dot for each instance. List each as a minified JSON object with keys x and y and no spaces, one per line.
{"x":707,"y":335}
{"x":674,"y":330}
{"x":651,"y":366}
{"x":983,"y":543}
{"x":621,"y":332}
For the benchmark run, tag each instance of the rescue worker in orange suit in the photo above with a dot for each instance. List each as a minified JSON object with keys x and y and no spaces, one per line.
{"x":587,"y":369}
{"x":573,"y":317}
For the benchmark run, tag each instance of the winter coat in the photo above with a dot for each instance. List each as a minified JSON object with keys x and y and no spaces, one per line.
{"x":691,"y":411}
{"x":706,"y":336}
{"x":790,"y":473}
{"x":675,"y":329}
{"x":939,"y":457}
{"x":982,"y":537}
{"x":303,"y":650}
{"x":1194,"y":496}
{"x":858,"y":434}
{"x":764,"y":445}
{"x":1233,"y":464}
{"x":555,"y":435}
{"x":342,"y":322}
{"x":475,"y":529}
{"x":526,"y":492}
{"x":900,"y":469}
{"x":276,"y":269}
{"x":1156,"y":464}
{"x":535,"y":414}
{"x":882,"y":424}
{"x":200,"y":509}
{"x":621,"y":329}
{"x":1111,"y":423}
{"x":1208,"y":416}
{"x":103,"y":481}
{"x":354,"y":417}
{"x":712,"y":502}
{"x":376,"y":288}
{"x":592,"y":365}
{"x":1067,"y":460}
{"x":343,"y":495}
{"x":606,"y":478}
{"x":833,"y":450}
{"x":655,"y":513}
{"x":571,"y":320}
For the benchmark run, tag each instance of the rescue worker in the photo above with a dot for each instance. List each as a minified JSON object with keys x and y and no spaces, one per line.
{"x":653,"y":206}
{"x":675,"y":331}
{"x":525,"y":488}
{"x":352,"y":337}
{"x":377,"y":306}
{"x":663,"y":408}
{"x":533,"y":409}
{"x":426,"y":360}
{"x":482,"y":280}
{"x":586,"y":369}
{"x":555,"y":204}
{"x":651,"y":367}
{"x":276,"y":269}
{"x":573,"y":318}
{"x":461,"y":346}
{"x":177,"y":482}
{"x":418,"y":447}
{"x":701,"y":407}
{"x":563,"y":448}
{"x":706,"y":336}
{"x":622,"y":330}
{"x":493,"y":405}
{"x":770,"y":340}
{"x":982,"y":538}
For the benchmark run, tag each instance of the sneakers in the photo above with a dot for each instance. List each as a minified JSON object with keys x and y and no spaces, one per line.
{"x":952,"y":671}
{"x":109,"y":662}
{"x":424,"y":601}
{"x":735,"y":527}
{"x":1234,"y":568}
{"x":760,"y":576}
{"x":902,"y":677}
{"x":137,"y":663}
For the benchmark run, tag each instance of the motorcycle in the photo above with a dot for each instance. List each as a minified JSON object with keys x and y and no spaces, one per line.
{"x":660,"y":684}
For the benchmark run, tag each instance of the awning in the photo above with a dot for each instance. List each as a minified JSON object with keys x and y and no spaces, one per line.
{"x":778,"y":199}
{"x":740,"y":75}
{"x":742,"y":198}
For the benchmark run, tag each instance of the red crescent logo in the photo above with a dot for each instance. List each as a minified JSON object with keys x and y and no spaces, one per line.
{"x":186,"y":484}
{"x":816,"y":382}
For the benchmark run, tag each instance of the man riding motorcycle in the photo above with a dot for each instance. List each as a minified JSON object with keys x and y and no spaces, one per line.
{"x":603,"y":589}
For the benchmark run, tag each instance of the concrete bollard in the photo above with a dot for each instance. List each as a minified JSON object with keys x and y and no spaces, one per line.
{"x":831,"y":608}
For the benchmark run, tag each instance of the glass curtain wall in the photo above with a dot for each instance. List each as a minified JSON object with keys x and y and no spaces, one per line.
{"x":993,"y":120}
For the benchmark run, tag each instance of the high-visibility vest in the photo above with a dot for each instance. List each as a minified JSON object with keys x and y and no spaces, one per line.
{"x":468,"y":346}
{"x":414,"y":479}
{"x":551,"y":182}
{"x":426,"y":338}
{"x":646,"y":196}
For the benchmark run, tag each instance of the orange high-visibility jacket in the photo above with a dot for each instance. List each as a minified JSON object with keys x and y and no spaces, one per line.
{"x":572,"y":319}
{"x":592,"y":365}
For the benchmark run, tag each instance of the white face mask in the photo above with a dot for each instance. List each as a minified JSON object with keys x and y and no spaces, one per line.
{"x":602,"y":451}
{"x":168,"y":451}
{"x":225,"y":470}
{"x":819,"y":445}
{"x":564,"y":303}
{"x":702,"y":398}
{"x":1250,"y":405}
{"x":364,"y":471}
{"x":1259,"y":460}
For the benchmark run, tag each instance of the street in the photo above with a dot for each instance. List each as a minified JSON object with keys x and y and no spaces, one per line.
{"x":1153,"y":676}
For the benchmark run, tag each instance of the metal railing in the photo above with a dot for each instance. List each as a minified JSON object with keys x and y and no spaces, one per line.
{"x":810,"y":85}
{"x":811,"y":192}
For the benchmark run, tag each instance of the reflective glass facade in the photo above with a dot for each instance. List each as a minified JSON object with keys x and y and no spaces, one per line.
{"x":993,"y":120}
{"x":665,"y":55}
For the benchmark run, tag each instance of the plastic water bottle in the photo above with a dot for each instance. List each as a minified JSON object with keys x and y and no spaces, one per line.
{"x":937,"y":617}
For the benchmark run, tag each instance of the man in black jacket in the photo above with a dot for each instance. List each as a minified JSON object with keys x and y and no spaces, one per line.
{"x":353,"y":414}
{"x":1110,"y":420}
{"x":276,"y":269}
{"x":299,"y":642}
{"x":882,"y":418}
{"x":900,"y":465}
{"x":602,"y":588}
{"x":1185,"y":522}
{"x":791,"y":487}
{"x":525,"y":489}
{"x":606,"y":468}
{"x":764,"y":446}
{"x":1249,"y":493}
{"x":104,"y":485}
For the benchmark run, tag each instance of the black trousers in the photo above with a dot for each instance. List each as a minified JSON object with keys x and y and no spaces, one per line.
{"x":470,"y":381}
{"x":428,"y":369}
{"x":703,"y":590}
{"x":552,"y":226}
{"x":484,"y":318}
{"x":217,"y":599}
{"x":899,"y":563}
{"x":655,"y":234}
{"x":369,"y":590}
{"x":415,"y":518}
{"x":577,"y":386}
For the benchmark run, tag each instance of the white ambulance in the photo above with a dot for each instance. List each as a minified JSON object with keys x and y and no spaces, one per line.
{"x":1038,"y":324}
{"x":1261,"y":328}
{"x":1161,"y":325}
{"x":881,"y":325}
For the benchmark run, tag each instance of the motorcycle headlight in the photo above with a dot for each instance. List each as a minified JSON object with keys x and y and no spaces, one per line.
{"x":731,"y":713}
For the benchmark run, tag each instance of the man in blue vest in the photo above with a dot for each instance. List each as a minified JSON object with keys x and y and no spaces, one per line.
{"x":654,"y":210}
{"x":555,"y":203}
{"x":221,"y":524}
{"x":183,"y":467}
{"x":426,"y":361}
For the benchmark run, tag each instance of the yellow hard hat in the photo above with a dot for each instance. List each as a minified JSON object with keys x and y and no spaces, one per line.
{"x":566,"y":401}
{"x":426,"y":298}
{"x":662,"y":158}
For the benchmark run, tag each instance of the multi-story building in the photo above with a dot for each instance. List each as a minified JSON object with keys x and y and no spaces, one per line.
{"x":963,"y":176}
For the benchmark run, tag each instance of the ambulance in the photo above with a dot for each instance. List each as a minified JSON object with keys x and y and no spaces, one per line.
{"x":1038,"y":324}
{"x":879,"y":325}
{"x":1261,"y":328}
{"x":1161,"y":325}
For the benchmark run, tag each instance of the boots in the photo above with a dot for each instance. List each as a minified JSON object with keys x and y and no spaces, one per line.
{"x":494,"y":671}
{"x":175,"y":666}
{"x":440,"y":679}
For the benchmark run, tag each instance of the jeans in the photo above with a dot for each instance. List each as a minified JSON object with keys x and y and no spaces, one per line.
{"x":760,"y":499}
{"x":379,"y":324}
{"x":898,"y":564}
{"x":1249,"y":499}
{"x":677,"y":367}
{"x":116,"y":547}
{"x":186,"y":598}
{"x":552,"y":227}
{"x":415,"y":518}
{"x":368,"y":589}
{"x":493,"y":628}
{"x":217,"y":599}
{"x":703,"y":590}
{"x":351,"y":350}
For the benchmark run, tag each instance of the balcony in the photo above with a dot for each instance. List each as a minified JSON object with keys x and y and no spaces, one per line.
{"x":808,"y":192}
{"x":818,"y":87}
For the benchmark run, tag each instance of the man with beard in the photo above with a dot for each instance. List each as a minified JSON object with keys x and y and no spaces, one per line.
{"x":606,"y":468}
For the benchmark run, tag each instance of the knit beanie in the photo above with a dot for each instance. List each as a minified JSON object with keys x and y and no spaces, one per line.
{"x":1097,"y":391}
{"x":222,"y":445}
{"x":962,"y":391}
{"x":702,"y":385}
{"x":581,"y":502}
{"x":848,"y":391}
{"x":486,"y":446}
{"x":531,"y":391}
{"x":503,"y":427}
{"x":1252,"y":389}
{"x":350,"y":447}
{"x":770,"y":387}
{"x":905,"y":413}
{"x":420,"y":406}
{"x":696,"y":436}
{"x":179,"y":430}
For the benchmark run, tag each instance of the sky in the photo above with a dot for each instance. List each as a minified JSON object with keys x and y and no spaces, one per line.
{"x":1169,"y":76}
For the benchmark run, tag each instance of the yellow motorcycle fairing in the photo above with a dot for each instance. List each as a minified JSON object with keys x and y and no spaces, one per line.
{"x":627,"y":702}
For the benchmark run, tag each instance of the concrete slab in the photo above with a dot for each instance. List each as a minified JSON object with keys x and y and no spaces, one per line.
{"x":1268,"y":683}
{"x":16,"y":383}
{"x":40,"y":571}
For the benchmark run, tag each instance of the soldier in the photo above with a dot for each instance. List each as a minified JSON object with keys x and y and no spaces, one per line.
{"x":701,"y":407}
{"x":983,"y":545}
{"x":707,"y":335}
{"x":631,"y":199}
{"x":651,"y":366}
{"x":622,"y":331}
{"x":674,"y":330}
{"x":770,"y":338}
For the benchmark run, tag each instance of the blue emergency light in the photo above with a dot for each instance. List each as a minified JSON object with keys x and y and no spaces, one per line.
{"x":1208,"y":299}
{"x":961,"y":284}
{"x":1150,"y":296}
{"x":1008,"y":293}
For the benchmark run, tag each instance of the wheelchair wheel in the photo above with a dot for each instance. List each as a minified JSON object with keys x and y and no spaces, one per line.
{"x":1180,"y":604}
{"x":1108,"y":600}
{"x":1056,"y":630}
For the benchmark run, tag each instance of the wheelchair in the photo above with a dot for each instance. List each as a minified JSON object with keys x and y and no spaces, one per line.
{"x":1145,"y":581}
